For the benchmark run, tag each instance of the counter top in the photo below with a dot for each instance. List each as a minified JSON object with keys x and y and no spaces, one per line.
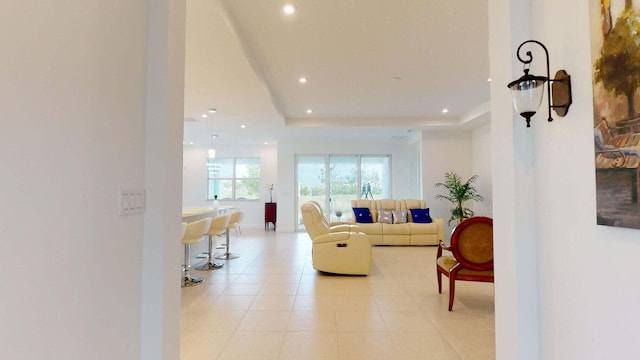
{"x":193,"y":214}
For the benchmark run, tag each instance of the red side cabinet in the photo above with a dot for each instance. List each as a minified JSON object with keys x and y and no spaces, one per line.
{"x":270,"y":212}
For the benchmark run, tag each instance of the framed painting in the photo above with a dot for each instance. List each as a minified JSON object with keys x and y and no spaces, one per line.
{"x":615,"y":53}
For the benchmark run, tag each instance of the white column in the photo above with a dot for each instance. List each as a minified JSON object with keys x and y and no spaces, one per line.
{"x":513,"y":164}
{"x":160,"y":319}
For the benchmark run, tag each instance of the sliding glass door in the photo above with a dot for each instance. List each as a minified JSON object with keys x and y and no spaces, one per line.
{"x":334,"y":180}
{"x":311,"y":182}
{"x":343,"y":186}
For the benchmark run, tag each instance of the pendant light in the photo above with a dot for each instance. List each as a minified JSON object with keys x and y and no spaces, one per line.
{"x":211,"y":153}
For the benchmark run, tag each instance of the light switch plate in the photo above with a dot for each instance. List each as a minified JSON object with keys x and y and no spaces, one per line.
{"x":131,"y":202}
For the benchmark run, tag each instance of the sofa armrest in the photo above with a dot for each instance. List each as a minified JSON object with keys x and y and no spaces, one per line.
{"x":342,"y":227}
{"x":336,"y":237}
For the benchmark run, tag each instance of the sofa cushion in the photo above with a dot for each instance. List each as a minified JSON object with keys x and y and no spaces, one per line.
{"x":371,"y":229}
{"x":399,"y":216}
{"x":362,"y":215}
{"x":420,"y":216}
{"x":424,"y":228}
{"x":370,"y":204}
{"x":396,"y":229}
{"x":413,"y":204}
{"x":385,"y":216}
{"x":388,"y":204}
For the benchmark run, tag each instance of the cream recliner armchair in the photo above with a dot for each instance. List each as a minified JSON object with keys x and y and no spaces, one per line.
{"x":335,"y":252}
{"x":335,"y":226}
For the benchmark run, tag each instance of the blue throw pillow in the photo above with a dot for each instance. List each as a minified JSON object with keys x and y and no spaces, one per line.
{"x":363,"y":215}
{"x":421,"y":216}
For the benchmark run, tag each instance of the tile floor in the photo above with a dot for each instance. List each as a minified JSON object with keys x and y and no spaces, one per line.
{"x":271,"y":304}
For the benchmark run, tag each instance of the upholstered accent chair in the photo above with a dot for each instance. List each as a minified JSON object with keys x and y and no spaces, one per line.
{"x":471,"y":256}
{"x":341,"y":252}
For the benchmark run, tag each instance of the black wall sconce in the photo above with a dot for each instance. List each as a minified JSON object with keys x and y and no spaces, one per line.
{"x":528,"y":89}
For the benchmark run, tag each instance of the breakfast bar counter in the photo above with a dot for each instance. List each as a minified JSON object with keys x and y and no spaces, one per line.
{"x":193,"y":214}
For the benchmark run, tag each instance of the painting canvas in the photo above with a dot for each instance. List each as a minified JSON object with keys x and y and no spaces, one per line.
{"x":615,"y":52}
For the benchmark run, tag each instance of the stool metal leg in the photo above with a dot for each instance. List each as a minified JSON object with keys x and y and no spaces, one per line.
{"x":227,"y":255}
{"x":210,"y":265}
{"x":187,"y":278}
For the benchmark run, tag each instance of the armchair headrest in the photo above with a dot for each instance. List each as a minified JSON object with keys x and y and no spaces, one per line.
{"x":314,"y":221}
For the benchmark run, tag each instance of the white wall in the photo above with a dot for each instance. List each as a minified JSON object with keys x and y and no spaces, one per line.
{"x":580,"y":302}
{"x":194,"y":176}
{"x":442,"y":152}
{"x":161,"y":248}
{"x":72,"y":136}
{"x":481,"y":164}
{"x":415,"y":165}
{"x":582,"y":291}
{"x":514,"y":197}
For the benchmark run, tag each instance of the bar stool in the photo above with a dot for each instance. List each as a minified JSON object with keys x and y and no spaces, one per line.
{"x":193,"y":233}
{"x":234,"y":222}
{"x":218,"y":227}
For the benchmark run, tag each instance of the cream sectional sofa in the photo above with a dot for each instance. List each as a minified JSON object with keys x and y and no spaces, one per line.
{"x":408,"y":233}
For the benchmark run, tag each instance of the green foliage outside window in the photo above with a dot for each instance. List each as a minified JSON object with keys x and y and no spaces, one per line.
{"x":233,"y":178}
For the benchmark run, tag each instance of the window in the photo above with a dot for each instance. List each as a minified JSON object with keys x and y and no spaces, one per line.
{"x":233,"y":178}
{"x":334,"y":180}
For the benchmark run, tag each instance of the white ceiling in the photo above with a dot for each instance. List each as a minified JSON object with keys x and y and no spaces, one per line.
{"x":375,"y":68}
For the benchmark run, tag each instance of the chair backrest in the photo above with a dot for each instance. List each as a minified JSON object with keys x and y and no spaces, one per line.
{"x":235,"y":218}
{"x":314,"y":221}
{"x":195,"y":230}
{"x":472,"y":243}
{"x":322,"y":217}
{"x":219,"y":225}
{"x":184,"y":229}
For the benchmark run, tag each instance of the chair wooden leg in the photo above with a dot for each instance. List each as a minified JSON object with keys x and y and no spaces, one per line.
{"x":439,"y":281}
{"x":452,"y":290}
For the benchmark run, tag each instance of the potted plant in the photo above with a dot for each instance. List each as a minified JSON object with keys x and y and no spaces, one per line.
{"x":458,"y":193}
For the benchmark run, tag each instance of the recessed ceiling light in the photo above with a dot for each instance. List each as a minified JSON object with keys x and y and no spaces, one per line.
{"x":204,"y":116}
{"x":445,"y":110}
{"x":212,"y":111}
{"x":489,"y":79}
{"x":243,"y":126}
{"x":190,"y":142}
{"x":309,"y":111}
{"x":266,"y":143}
{"x":289,"y":9}
{"x":303,"y":80}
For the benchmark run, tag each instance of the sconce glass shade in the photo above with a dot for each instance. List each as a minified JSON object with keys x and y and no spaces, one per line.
{"x":527,"y":95}
{"x":527,"y":90}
